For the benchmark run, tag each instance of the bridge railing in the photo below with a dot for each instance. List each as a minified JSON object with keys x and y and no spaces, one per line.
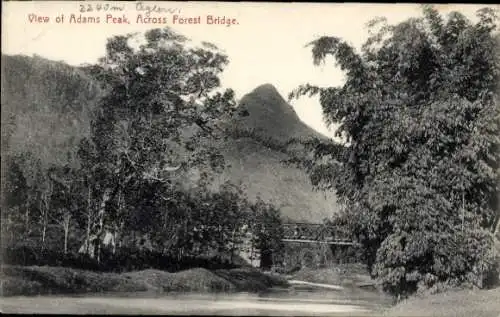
{"x":321,"y":233}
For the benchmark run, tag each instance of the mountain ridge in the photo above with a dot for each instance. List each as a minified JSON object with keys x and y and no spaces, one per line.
{"x":258,"y":168}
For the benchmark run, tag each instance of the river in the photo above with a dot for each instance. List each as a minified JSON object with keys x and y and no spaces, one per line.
{"x":296,"y":301}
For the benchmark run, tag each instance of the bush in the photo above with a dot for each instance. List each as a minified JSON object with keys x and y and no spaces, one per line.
{"x":406,"y":264}
{"x":126,"y":259}
{"x":28,"y":255}
{"x":347,"y":254}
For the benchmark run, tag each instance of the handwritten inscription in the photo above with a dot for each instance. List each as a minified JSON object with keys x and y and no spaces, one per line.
{"x":148,"y":9}
{"x":98,"y":7}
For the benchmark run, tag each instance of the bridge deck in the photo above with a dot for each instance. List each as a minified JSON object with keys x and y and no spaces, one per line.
{"x":314,"y":233}
{"x":321,"y":242}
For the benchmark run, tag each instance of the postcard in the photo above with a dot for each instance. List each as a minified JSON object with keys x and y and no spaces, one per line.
{"x":244,"y":158}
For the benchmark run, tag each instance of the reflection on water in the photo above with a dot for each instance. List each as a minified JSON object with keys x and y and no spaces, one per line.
{"x":277,"y":302}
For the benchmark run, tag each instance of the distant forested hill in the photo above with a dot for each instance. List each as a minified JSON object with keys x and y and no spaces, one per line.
{"x":47,"y":108}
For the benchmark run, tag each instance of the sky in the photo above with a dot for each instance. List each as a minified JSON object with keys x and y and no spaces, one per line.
{"x":266,"y":46}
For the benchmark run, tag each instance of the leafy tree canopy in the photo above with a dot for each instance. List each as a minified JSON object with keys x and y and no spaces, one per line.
{"x":419,"y":176}
{"x":161,"y":109}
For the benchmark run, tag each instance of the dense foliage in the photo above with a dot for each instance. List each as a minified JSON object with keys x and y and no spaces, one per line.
{"x":419,"y":174}
{"x":128,"y":259}
{"x":139,"y":181}
{"x":156,"y":93}
{"x":267,"y":234}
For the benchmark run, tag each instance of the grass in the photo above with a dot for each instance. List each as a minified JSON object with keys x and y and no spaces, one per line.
{"x":45,"y":280}
{"x":339,"y":274}
{"x":250,"y":279}
{"x":192,"y":280}
{"x":459,"y":303}
{"x":453,"y":303}
{"x":353,"y":278}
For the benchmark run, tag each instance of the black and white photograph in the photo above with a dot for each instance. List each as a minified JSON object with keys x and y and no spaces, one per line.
{"x":250,"y":158}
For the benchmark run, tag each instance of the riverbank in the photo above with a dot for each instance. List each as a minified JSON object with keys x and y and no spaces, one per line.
{"x":354,"y":282}
{"x":349,"y":284}
{"x":46,"y":280}
{"x":351,"y":281}
{"x":347,"y":275}
{"x":457,"y":303}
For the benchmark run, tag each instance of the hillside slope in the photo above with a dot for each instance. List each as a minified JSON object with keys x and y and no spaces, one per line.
{"x":261,"y":169}
{"x":46,"y":111}
{"x":47,"y":108}
{"x":263,"y":174}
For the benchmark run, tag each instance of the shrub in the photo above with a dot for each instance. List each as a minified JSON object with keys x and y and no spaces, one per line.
{"x":126,"y":259}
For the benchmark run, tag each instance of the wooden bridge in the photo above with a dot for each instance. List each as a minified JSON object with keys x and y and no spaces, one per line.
{"x":314,"y":233}
{"x":305,"y":245}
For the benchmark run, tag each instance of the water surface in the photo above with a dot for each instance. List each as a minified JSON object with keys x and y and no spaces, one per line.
{"x":294,"y":301}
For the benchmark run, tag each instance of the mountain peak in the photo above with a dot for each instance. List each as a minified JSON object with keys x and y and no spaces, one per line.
{"x":266,"y":89}
{"x":269,"y":93}
{"x":270,"y":114}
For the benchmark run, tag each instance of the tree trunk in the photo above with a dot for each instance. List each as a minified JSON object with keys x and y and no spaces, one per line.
{"x":497,"y":228}
{"x":114,"y":243}
{"x":496,"y":224}
{"x":115,"y":237}
{"x":87,"y":235}
{"x":251,"y":251}
{"x":43,"y":209}
{"x":266,"y":260}
{"x":66,"y":223}
{"x":89,"y":220}
{"x":463,"y":211}
{"x":44,"y":232}
{"x":98,"y":250}
{"x":233,"y":246}
{"x":65,"y":240}
{"x":117,"y":229}
{"x":105,"y":198}
{"x":27,"y":219}
{"x":45,"y":206}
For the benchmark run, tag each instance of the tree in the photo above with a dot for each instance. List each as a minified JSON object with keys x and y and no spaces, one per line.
{"x":16,"y":192}
{"x":46,"y":189}
{"x":267,"y":233}
{"x":24,"y":180}
{"x":66,"y":199}
{"x":419,"y":174}
{"x":159,"y":111}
